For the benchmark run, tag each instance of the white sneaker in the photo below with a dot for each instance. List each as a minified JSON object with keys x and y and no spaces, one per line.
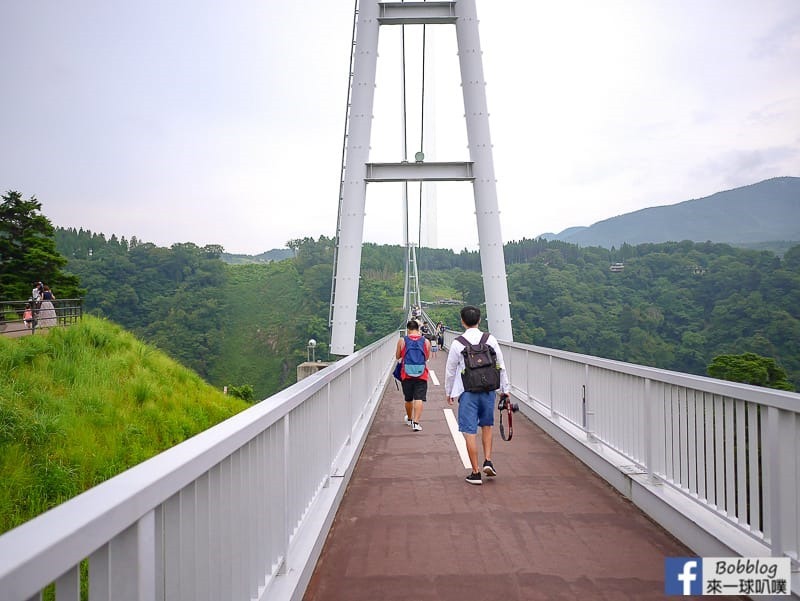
{"x":408,"y":421}
{"x":416,"y":427}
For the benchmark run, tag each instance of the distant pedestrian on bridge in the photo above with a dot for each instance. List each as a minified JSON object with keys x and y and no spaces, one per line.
{"x":413,"y":352}
{"x":475,"y":409}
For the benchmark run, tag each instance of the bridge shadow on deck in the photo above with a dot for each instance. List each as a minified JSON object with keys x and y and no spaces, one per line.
{"x":409,"y":528}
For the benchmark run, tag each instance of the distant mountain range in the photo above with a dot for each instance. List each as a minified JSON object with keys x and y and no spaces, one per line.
{"x":762,"y":215}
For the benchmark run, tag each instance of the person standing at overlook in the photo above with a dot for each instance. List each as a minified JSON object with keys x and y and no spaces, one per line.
{"x":27,"y":316}
{"x":36,"y":294}
{"x":47,"y":312}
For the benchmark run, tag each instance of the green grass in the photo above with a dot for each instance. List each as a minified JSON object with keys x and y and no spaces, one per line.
{"x":81,"y":404}
{"x":438,"y":284}
{"x":259,"y":340}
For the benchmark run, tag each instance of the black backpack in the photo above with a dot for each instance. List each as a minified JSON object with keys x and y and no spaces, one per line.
{"x":481,"y":371}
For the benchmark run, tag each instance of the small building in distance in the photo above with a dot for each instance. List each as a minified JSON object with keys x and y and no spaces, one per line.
{"x":309,"y":368}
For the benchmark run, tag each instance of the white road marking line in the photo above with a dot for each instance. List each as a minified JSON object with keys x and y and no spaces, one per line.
{"x":458,"y":438}
{"x":432,"y":374}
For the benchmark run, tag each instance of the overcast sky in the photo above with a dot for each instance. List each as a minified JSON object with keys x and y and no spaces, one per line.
{"x":222,"y":122}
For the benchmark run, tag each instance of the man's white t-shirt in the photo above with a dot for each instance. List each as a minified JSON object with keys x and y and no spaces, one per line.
{"x":453,"y":386}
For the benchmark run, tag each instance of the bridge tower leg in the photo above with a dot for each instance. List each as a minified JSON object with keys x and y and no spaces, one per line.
{"x":354,"y":183}
{"x":358,"y":171}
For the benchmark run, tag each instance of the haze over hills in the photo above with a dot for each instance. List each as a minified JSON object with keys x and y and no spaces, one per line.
{"x":276,"y":254}
{"x":765,"y":212}
{"x":762,"y":216}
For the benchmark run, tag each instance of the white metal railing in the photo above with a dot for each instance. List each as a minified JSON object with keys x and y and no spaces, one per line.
{"x":239,"y":511}
{"x":725,"y":454}
{"x":18,"y":318}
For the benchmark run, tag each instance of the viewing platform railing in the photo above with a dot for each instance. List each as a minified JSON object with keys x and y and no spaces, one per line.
{"x":14,"y":321}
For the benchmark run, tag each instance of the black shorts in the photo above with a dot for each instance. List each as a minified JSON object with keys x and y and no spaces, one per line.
{"x":414,"y":389}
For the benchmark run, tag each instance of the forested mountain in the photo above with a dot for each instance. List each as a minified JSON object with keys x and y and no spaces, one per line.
{"x":765,"y":214}
{"x":671,"y":305}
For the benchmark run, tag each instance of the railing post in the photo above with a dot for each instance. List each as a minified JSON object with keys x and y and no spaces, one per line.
{"x":329,"y":453}
{"x":650,"y":431}
{"x":349,"y":404}
{"x":286,"y":475}
{"x":773,"y":477}
{"x":528,"y":394}
{"x":588,"y":412}
{"x":781,"y":483}
{"x":68,"y":585}
{"x":130,"y":562}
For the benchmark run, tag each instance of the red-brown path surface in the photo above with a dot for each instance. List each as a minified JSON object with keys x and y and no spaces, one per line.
{"x":410,"y":529}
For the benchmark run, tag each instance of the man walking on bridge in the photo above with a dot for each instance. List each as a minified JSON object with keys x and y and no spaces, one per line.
{"x":413,"y":352}
{"x":475,"y":408}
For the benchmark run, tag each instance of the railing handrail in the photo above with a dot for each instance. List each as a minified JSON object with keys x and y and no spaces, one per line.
{"x":771,"y":397}
{"x":28,"y":300}
{"x":64,"y":312}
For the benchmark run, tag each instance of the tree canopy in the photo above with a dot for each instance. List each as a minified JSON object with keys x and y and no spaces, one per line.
{"x":750,"y":368}
{"x":28,"y":251}
{"x":675,"y":305}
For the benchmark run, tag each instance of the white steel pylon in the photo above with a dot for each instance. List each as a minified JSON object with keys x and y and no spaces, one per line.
{"x":358,"y":171}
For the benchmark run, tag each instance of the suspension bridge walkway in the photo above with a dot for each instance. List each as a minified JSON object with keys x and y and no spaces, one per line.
{"x":321,"y":492}
{"x":547,"y":527}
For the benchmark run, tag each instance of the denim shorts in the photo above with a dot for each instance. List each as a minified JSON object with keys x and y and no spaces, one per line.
{"x":414,"y":389}
{"x":475,"y":409}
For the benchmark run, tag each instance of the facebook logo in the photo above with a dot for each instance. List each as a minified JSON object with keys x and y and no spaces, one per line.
{"x":683,"y":576}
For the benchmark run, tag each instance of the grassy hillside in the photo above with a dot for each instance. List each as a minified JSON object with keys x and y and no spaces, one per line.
{"x":260,"y":334}
{"x":79,"y":405}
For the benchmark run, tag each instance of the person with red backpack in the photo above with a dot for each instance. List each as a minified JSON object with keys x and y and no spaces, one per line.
{"x":413,"y":352}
